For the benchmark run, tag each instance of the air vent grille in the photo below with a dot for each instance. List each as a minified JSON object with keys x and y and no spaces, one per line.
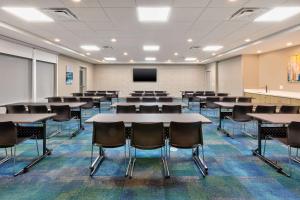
{"x":60,"y":14}
{"x":247,"y":13}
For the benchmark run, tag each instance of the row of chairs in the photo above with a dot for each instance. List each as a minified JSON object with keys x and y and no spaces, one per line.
{"x":149,"y":94}
{"x":149,"y":109}
{"x":149,"y":99}
{"x":147,"y":136}
{"x":149,"y":91}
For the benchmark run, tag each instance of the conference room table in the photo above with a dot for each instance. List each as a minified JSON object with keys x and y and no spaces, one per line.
{"x":73,"y":106}
{"x":128,"y":119}
{"x":271,"y":119}
{"x":138,"y":104}
{"x":36,"y":119}
{"x":156,"y":97}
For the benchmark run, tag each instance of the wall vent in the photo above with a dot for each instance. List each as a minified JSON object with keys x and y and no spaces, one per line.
{"x":60,"y":14}
{"x":247,"y":13}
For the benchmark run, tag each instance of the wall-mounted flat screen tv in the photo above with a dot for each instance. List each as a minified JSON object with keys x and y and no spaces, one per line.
{"x":144,"y":74}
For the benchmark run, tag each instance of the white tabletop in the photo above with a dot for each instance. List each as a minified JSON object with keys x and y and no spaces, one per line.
{"x":276,"y":118}
{"x":138,"y":104}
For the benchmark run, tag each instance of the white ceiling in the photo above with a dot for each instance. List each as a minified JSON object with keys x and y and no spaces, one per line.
{"x":205,"y":21}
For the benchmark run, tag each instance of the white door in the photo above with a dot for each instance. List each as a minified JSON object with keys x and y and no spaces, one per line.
{"x":82,"y":79}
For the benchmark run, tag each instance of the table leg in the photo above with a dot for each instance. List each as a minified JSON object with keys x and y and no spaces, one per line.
{"x":46,"y":152}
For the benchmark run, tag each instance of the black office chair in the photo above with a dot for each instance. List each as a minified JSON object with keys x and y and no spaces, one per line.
{"x":159,"y":91}
{"x":292,"y":140}
{"x":222,"y":94}
{"x":133,"y":99}
{"x":138,"y":91}
{"x":229,"y":99}
{"x":9,"y":139}
{"x":210,"y":105}
{"x":149,"y":94}
{"x":148,"y":136}
{"x":171,"y":109}
{"x":265,"y":109}
{"x":87,"y":108}
{"x":209,"y":93}
{"x":188,"y":136}
{"x":161,"y":94}
{"x":70,"y":99}
{"x":101,"y":94}
{"x":78,"y":94}
{"x":199,"y":93}
{"x":15,"y":109}
{"x":149,"y":109}
{"x":63,"y":115}
{"x":137,"y":94}
{"x":89,"y":94}
{"x":148,"y":99}
{"x":244,"y":99}
{"x":37,"y":109}
{"x":107,"y":135}
{"x":152,"y":92}
{"x":126,"y":109}
{"x":289,"y":109}
{"x":240,"y":117}
{"x":54,"y":99}
{"x":165,"y":99}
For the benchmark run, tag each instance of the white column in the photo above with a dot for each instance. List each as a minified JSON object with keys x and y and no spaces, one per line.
{"x":34,"y":86}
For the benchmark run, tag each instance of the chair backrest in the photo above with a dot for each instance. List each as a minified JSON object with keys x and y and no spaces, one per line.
{"x":77,"y":94}
{"x":244,"y":99}
{"x":147,"y":135}
{"x":8,"y":134}
{"x":161,"y":94}
{"x":138,"y":91}
{"x":148,"y":94}
{"x":63,"y":113}
{"x":199,"y":93}
{"x":37,"y":109}
{"x":159,"y":91}
{"x":210,"y":102}
{"x":89,"y":94}
{"x":100,"y":94}
{"x":289,"y":109}
{"x":148,"y":99}
{"x":133,"y":99}
{"x":239,"y":113}
{"x":126,"y":109}
{"x":229,"y":99}
{"x":137,"y":94}
{"x":89,"y":102}
{"x":149,"y":109}
{"x":171,"y":109}
{"x":210,"y":93}
{"x":293,"y":133}
{"x":109,"y":135}
{"x":15,"y":109}
{"x":185,"y":135}
{"x":70,"y":99}
{"x":165,"y":99}
{"x":265,"y":109}
{"x":222,"y":94}
{"x":54,"y":99}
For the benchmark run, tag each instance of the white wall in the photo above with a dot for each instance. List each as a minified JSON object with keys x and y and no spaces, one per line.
{"x":230,"y":76}
{"x":172,"y":78}
{"x":212,"y":68}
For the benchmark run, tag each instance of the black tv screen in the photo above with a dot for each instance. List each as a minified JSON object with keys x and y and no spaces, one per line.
{"x":144,"y":75}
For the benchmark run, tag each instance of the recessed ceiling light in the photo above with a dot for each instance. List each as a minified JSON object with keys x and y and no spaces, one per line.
{"x":150,"y":59}
{"x":176,"y":54}
{"x":125,"y":53}
{"x":153,"y":14}
{"x":88,"y":53}
{"x":76,"y":1}
{"x":28,"y":14}
{"x":113,"y":40}
{"x":212,"y":48}
{"x":289,"y":44}
{"x":131,"y":61}
{"x":248,"y":40}
{"x":232,"y":0}
{"x":56,"y":40}
{"x":213,"y":54}
{"x":278,"y":14}
{"x":190,"y":59}
{"x":168,"y":61}
{"x":259,"y":51}
{"x":90,"y":47}
{"x":190,"y":40}
{"x":110,"y":58}
{"x":151,"y":48}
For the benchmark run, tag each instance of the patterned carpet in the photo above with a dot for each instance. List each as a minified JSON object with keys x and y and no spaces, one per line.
{"x":233,"y":172}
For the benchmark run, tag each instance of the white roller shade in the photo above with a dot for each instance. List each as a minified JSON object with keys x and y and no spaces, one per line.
{"x":44,"y":80}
